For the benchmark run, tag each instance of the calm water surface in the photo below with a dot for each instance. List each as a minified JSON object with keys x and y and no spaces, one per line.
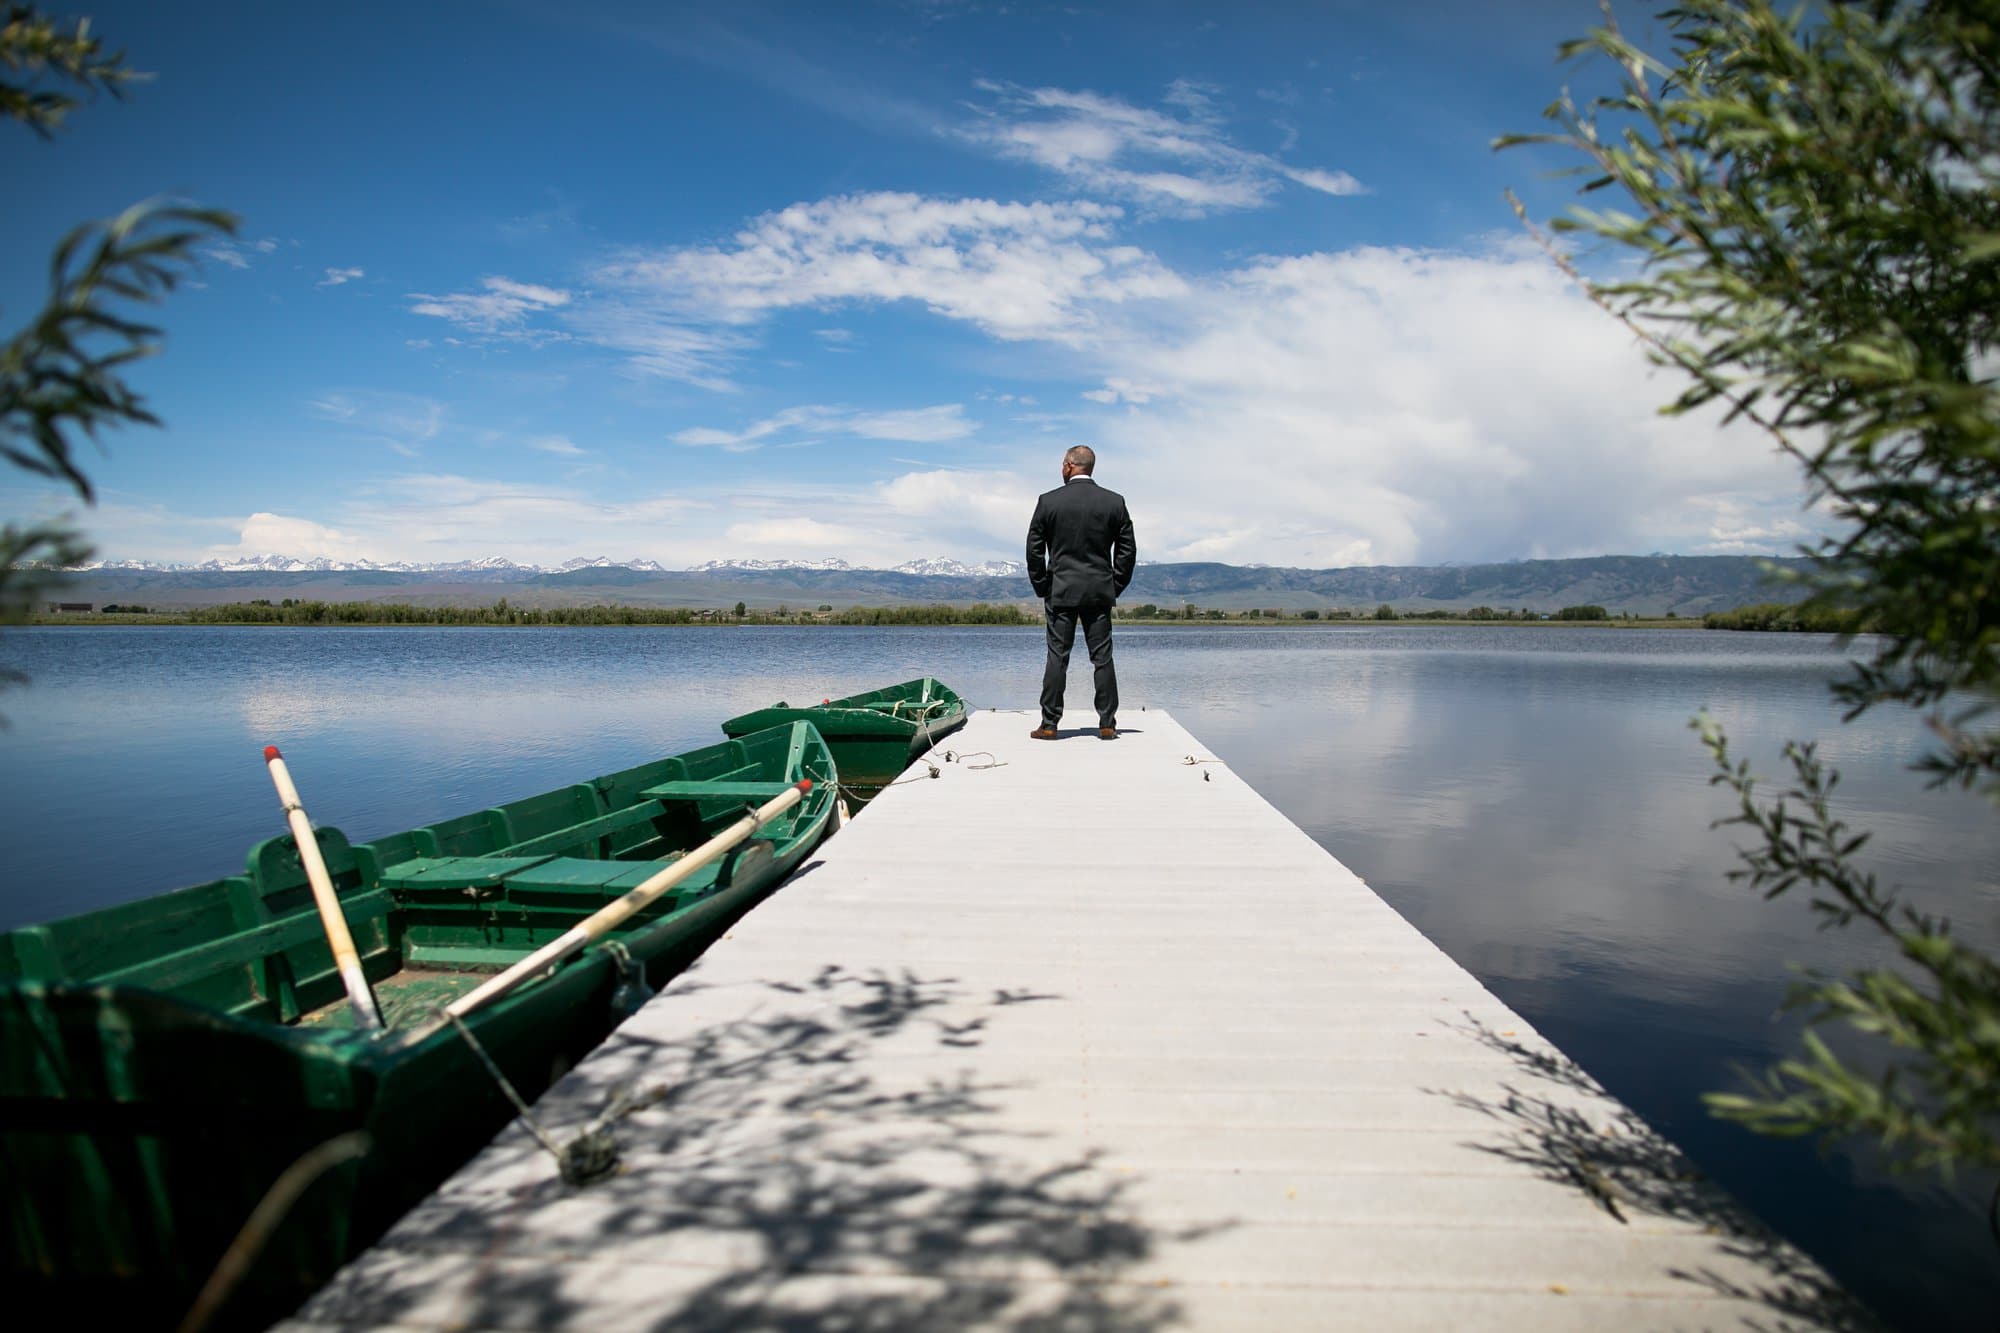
{"x":1530,"y":797}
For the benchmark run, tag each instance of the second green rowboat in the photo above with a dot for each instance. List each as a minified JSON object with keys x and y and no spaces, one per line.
{"x":873,"y":736}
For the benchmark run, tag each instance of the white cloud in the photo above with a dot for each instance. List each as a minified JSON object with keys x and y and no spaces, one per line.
{"x":337,"y":276}
{"x":1402,"y":406}
{"x":1017,"y":271}
{"x":971,"y":511}
{"x":1177,"y":163}
{"x":794,"y":538}
{"x":239,"y":254}
{"x":662,"y":341}
{"x":444,"y":516}
{"x":1746,"y":524}
{"x":923,"y":425}
{"x":560,"y":445}
{"x":1371,"y":405}
{"x":1326,"y":182}
{"x":502,"y":306}
{"x":281,"y":534}
{"x":1121,"y":390}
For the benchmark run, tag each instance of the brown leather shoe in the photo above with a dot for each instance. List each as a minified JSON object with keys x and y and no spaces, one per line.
{"x":1042,"y":734}
{"x":1107,"y":733}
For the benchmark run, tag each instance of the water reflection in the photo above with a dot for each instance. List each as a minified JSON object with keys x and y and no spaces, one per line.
{"x":1531,"y":798}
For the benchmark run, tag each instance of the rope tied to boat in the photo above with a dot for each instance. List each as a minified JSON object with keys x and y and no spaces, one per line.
{"x":591,"y":1155}
{"x":992,"y":760}
{"x":935,"y":772}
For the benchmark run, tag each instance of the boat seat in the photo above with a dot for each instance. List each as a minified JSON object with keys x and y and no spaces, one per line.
{"x":377,"y":857}
{"x":575,"y":881}
{"x":477,"y":833}
{"x":110,"y":940}
{"x":718,"y":791}
{"x":581,"y":875}
{"x":188,"y":966}
{"x":551,"y":812}
{"x":588,"y":830}
{"x":455,"y":873}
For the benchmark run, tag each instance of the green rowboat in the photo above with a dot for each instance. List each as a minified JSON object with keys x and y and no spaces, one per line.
{"x":873,"y":736}
{"x":162,"y":1062}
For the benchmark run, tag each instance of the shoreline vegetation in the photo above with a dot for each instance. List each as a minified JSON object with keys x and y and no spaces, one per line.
{"x":306,"y":613}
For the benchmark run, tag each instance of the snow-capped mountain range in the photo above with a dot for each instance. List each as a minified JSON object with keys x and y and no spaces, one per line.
{"x":292,"y":564}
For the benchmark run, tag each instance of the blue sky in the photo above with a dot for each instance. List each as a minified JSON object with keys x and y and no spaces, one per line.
{"x":799,"y":281}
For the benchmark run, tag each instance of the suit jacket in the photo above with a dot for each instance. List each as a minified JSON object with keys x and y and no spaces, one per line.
{"x":1080,"y":547}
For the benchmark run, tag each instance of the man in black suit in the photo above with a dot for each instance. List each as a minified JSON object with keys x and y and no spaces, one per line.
{"x":1080,"y":557}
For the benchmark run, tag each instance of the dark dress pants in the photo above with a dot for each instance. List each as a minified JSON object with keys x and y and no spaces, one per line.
{"x":1097,"y":638}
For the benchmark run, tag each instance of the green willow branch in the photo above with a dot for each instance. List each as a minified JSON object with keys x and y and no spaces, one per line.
{"x":1812,"y":197}
{"x":33,"y":44}
{"x":1937,"y":1106}
{"x":58,"y":376}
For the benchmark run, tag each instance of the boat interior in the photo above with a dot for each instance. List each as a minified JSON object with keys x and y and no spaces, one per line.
{"x":432,"y":909}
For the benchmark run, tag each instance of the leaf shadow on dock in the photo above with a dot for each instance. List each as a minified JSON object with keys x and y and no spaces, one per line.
{"x":1635,"y":1175}
{"x":780,"y":1171}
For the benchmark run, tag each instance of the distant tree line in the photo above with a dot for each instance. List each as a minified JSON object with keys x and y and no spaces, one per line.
{"x":1188,"y":611}
{"x":301,"y":611}
{"x":979,"y":613}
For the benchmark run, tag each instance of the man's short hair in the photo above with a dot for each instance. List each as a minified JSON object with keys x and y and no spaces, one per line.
{"x":1081,"y":457}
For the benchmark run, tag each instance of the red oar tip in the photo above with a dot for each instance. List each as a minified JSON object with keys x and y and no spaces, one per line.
{"x":805,"y":785}
{"x":270,"y":753}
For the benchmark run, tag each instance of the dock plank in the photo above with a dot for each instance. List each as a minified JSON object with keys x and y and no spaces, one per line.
{"x":1090,"y":1038}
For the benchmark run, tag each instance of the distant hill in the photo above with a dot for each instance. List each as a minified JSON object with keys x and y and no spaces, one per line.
{"x":1643,"y":585}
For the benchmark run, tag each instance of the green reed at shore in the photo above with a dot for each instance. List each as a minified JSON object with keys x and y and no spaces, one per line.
{"x":1784,"y":616}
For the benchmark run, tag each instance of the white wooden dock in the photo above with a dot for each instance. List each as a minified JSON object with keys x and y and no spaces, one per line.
{"x":1081,"y":1035}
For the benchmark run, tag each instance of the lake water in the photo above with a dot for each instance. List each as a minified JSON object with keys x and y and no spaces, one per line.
{"x":1530,"y":797}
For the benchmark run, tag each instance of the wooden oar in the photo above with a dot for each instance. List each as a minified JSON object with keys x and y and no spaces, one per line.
{"x":366,"y":1015}
{"x":607,"y":918}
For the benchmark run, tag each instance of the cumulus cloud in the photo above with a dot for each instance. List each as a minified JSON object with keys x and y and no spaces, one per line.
{"x":1394,"y":406}
{"x":1369,"y":405}
{"x":969,"y":511}
{"x":922,"y":425}
{"x":337,"y":276}
{"x":1181,"y":162}
{"x":284,"y":534}
{"x":559,"y":445}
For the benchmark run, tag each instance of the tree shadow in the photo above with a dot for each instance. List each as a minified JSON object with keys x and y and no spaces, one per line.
{"x":786,"y":1169}
{"x":1568,"y":1129}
